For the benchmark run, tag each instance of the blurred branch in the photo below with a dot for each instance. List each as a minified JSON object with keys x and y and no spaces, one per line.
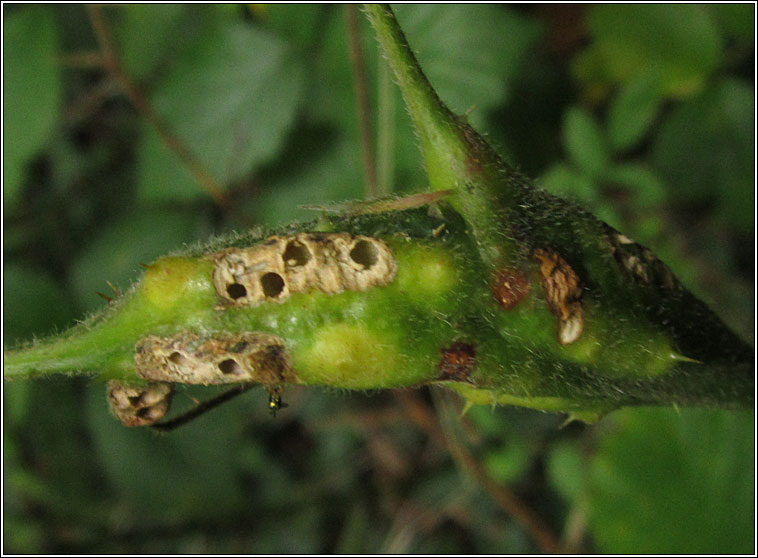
{"x":361,"y":94}
{"x":423,"y":416}
{"x":112,"y":64}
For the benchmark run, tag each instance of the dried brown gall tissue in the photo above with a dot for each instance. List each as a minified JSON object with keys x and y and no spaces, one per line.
{"x":639,"y":262}
{"x":223,"y":358}
{"x":560,"y":284}
{"x":139,"y":405}
{"x":286,"y":265}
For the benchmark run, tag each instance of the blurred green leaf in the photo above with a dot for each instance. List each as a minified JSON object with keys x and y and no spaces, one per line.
{"x":565,"y":181}
{"x":567,"y":471}
{"x":146,"y":33}
{"x":736,"y":21}
{"x":31,"y":91}
{"x":189,"y":474}
{"x":116,"y":252}
{"x":646,"y":188}
{"x":584,"y":141}
{"x":633,"y":110}
{"x":33,"y":304}
{"x":231,"y":97}
{"x":300,"y":25}
{"x":508,"y":462}
{"x":482,"y":51}
{"x":334,"y":175}
{"x":679,"y":42}
{"x":668,"y":483}
{"x":706,"y":151}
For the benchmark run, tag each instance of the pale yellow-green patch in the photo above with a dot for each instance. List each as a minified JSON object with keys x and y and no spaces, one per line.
{"x":426,"y":274}
{"x":350,"y":356}
{"x":171,"y":280}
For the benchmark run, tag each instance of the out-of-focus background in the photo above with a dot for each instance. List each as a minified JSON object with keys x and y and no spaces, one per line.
{"x":644,"y":113}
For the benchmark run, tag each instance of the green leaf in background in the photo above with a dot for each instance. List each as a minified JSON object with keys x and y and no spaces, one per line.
{"x":737,"y":21}
{"x":335,"y":174}
{"x":567,"y":471}
{"x":32,"y":303}
{"x":584,"y":141}
{"x":679,"y":42}
{"x":565,"y":181}
{"x":633,"y":110}
{"x":706,"y":151}
{"x":646,"y":189}
{"x":164,"y":477}
{"x":507,"y":463}
{"x":299,"y":24}
{"x":117,"y":251}
{"x":669,"y":483}
{"x":471,"y":54}
{"x":145,"y":34}
{"x":31,"y":90}
{"x":231,"y":97}
{"x":647,"y":194}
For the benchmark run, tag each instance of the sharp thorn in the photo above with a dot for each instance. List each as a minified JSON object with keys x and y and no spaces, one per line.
{"x":106,"y":297}
{"x":114,"y":288}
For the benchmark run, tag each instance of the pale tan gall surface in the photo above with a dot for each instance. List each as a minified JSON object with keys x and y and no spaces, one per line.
{"x":221,"y":359}
{"x":282,"y":266}
{"x":139,"y":405}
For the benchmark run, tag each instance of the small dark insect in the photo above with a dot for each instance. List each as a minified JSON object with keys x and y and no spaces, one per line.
{"x":275,"y":403}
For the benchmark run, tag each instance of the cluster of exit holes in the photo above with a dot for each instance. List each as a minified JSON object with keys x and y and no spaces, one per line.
{"x":364,"y":253}
{"x":229,"y":367}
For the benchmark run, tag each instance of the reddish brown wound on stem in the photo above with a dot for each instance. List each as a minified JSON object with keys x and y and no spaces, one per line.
{"x":458,"y":361}
{"x":510,"y":287}
{"x":563,"y":294}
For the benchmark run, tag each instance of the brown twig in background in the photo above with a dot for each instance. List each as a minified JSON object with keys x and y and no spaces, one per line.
{"x":422,"y":415}
{"x":112,"y":63}
{"x":361,"y":93}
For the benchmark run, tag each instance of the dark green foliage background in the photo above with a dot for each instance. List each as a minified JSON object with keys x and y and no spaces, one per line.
{"x":644,"y":113}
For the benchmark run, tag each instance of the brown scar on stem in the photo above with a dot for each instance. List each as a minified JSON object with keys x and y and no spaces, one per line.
{"x":510,"y":287}
{"x":560,"y":284}
{"x":457,"y":363}
{"x":139,"y":405}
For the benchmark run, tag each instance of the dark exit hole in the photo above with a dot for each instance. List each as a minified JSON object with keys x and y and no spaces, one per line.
{"x":235,"y":290}
{"x":272,"y":284}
